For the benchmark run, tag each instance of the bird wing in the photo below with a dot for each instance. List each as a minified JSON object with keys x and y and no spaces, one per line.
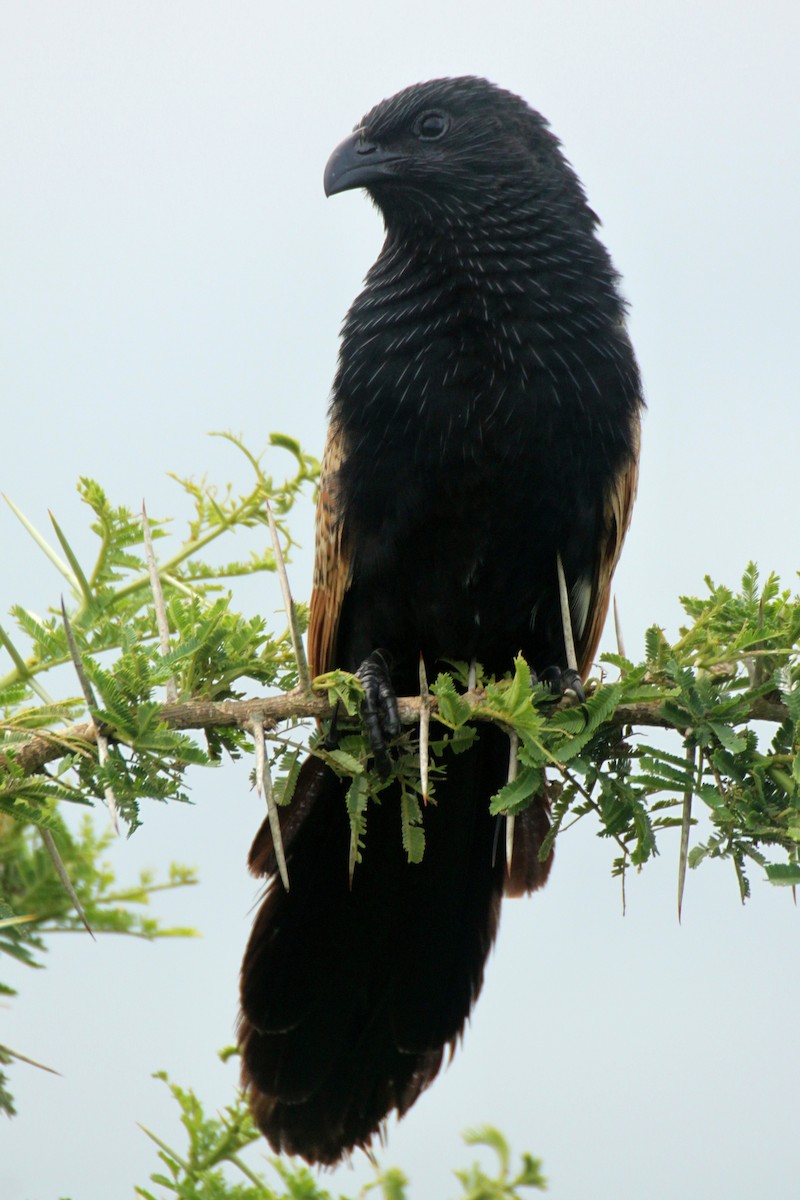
{"x":332,"y":572}
{"x":617,"y":518}
{"x":332,"y":562}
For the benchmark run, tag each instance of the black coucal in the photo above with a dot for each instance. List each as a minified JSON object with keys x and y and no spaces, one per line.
{"x":484,"y":421}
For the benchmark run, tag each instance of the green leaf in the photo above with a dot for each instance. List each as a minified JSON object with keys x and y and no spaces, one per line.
{"x":346,"y":763}
{"x":412,"y":825}
{"x":514,"y":797}
{"x":357,"y":797}
{"x":783,"y":874}
{"x":730,"y":740}
{"x":342,"y":688}
{"x":283,"y":787}
{"x":454,"y":710}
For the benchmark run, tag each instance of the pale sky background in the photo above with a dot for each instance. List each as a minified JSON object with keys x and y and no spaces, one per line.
{"x":171,"y":266}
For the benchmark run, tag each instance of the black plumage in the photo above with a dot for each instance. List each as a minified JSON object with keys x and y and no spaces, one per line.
{"x":484,"y":421}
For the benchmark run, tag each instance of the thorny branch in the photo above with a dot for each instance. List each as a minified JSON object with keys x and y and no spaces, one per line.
{"x":299,"y":705}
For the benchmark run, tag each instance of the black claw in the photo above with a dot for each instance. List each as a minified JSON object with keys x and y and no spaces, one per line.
{"x":379,"y":708}
{"x":331,"y":739}
{"x":563,"y":679}
{"x":572,"y":682}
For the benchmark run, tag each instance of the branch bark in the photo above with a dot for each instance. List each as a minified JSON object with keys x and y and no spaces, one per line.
{"x":272,"y":710}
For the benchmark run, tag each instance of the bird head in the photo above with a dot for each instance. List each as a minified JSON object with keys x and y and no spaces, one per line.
{"x":453,"y":147}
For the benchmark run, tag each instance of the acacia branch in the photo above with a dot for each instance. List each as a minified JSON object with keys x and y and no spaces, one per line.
{"x":300,"y":705}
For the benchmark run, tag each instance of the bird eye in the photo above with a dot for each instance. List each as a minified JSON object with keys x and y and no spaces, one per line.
{"x":431,"y":125}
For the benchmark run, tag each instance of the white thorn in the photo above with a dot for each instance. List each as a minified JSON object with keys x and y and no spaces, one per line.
{"x":566,"y":618}
{"x":424,"y":728}
{"x":264,"y":783}
{"x":158,"y":602}
{"x":91,"y":701}
{"x":513,"y":751}
{"x":618,"y":631}
{"x":61,"y":871}
{"x":686,"y":823}
{"x":303,"y":675}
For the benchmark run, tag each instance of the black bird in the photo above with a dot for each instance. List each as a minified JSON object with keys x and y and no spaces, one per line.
{"x":484,"y":421}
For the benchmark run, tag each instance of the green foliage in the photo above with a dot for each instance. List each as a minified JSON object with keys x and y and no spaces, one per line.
{"x":113,"y":607}
{"x":412,"y":824}
{"x":736,"y":657}
{"x":342,"y":688}
{"x":506,"y":1185}
{"x":214,"y":649}
{"x":739,"y":649}
{"x":34,"y":905}
{"x":216,"y":654}
{"x":214,"y":1153}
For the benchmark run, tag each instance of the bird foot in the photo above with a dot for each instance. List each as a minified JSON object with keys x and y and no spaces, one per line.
{"x":379,"y":708}
{"x":331,"y":739}
{"x":561,"y":680}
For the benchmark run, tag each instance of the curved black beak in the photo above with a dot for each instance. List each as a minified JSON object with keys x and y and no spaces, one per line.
{"x":357,"y":163}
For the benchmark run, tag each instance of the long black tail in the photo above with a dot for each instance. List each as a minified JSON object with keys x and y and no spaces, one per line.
{"x":351,"y":995}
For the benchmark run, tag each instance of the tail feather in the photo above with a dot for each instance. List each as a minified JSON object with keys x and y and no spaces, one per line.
{"x":351,"y":994}
{"x":527,"y":872}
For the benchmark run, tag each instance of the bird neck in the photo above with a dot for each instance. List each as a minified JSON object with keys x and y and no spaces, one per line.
{"x":509,"y":288}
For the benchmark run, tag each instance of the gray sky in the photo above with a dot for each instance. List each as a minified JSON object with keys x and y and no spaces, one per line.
{"x":171,"y":267}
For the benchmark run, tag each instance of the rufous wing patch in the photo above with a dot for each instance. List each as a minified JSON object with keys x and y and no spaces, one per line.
{"x":332,"y":566}
{"x":617,"y":518}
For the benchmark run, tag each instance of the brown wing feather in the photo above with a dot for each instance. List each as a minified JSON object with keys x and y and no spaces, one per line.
{"x":331,"y":581}
{"x":332,"y":566}
{"x":527,"y":873}
{"x":619,"y":506}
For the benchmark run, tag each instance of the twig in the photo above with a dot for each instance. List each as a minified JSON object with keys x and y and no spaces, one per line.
{"x":66,"y":882}
{"x":303,"y":673}
{"x":595,"y":807}
{"x":167,"y":1150}
{"x":24,"y":673}
{"x":158,"y":603}
{"x":424,"y":728}
{"x":44,"y":545}
{"x":89,"y":696}
{"x":44,"y":747}
{"x":83,"y":582}
{"x":248,"y":1174}
{"x":32,"y":1061}
{"x":686,"y":824}
{"x":23,"y":919}
{"x":513,"y":761}
{"x":264,"y":783}
{"x":180,"y":586}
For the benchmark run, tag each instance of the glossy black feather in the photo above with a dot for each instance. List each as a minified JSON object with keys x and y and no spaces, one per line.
{"x":350,"y":996}
{"x":487,"y":402}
